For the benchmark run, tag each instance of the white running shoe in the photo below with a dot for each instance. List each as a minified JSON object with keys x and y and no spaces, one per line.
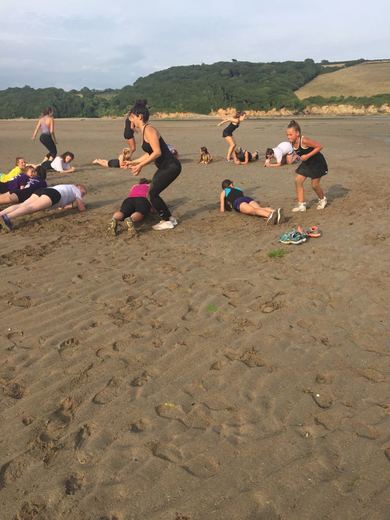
{"x":163,"y":224}
{"x":301,"y":206}
{"x":173,"y":220}
{"x":322,"y":203}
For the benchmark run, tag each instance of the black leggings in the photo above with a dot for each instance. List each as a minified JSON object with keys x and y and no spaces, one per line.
{"x":43,"y":168}
{"x":163,"y":177}
{"x":47,"y":141}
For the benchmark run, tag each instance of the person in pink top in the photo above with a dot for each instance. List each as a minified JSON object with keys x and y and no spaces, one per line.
{"x":133,"y":209}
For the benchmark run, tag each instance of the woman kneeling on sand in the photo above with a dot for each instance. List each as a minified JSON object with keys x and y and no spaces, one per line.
{"x":62,"y":196}
{"x":133,"y":209}
{"x":232,"y":197}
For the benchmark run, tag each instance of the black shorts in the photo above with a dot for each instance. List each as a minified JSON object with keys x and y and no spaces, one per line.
{"x":227,"y":133}
{"x":113,"y":163}
{"x":314,"y":168}
{"x":54,"y":195}
{"x":23,"y":194}
{"x":135,"y":204}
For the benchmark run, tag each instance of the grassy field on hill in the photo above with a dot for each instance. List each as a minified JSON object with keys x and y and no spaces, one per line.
{"x":364,"y":79}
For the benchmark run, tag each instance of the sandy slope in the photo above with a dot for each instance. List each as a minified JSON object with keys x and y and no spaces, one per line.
{"x":185,"y":375}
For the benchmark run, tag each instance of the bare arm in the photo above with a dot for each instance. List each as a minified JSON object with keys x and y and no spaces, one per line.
{"x":227,"y":121}
{"x":269,"y":164}
{"x":35,"y":131}
{"x":222,"y":202}
{"x":317,"y":147}
{"x":51,"y":128}
{"x":153,"y":138}
{"x":246,"y":158}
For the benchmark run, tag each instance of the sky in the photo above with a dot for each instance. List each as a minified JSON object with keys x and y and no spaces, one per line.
{"x":108,"y":44}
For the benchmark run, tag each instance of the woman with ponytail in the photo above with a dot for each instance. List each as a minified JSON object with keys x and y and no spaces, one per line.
{"x":157,"y":151}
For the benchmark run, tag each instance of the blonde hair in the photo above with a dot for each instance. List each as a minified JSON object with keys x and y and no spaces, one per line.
{"x":126,"y":153}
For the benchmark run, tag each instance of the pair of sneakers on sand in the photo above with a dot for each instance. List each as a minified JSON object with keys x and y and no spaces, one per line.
{"x":301,"y":206}
{"x":300,"y":235}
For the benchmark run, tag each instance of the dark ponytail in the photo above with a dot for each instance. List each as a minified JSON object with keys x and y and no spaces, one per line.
{"x":295,"y":125}
{"x":140,"y":109}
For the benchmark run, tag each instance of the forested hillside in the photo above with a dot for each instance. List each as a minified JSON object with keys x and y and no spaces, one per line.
{"x":194,"y":88}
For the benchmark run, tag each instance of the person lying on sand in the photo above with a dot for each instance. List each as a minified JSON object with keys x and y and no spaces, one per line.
{"x":281,"y":154}
{"x":60,"y":164}
{"x":243,"y":157}
{"x":22,"y":187}
{"x":133,"y":209}
{"x":123,"y":160}
{"x":62,"y":196}
{"x":20,"y":164}
{"x":233,"y":197}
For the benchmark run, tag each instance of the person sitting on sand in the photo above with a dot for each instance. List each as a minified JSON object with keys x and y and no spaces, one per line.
{"x":123,"y":160}
{"x":205,"y":156}
{"x":243,"y":157}
{"x":60,"y":164}
{"x":232,"y":197}
{"x":22,"y":187}
{"x":134,"y":208}
{"x":20,"y":165}
{"x":61,"y":196}
{"x":280,"y":155}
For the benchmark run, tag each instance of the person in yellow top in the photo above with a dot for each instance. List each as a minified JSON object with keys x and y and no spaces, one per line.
{"x":19,"y":167}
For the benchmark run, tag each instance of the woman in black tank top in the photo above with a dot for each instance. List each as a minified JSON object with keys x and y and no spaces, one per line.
{"x":157,"y":151}
{"x":227,"y":134}
{"x":313,"y":165}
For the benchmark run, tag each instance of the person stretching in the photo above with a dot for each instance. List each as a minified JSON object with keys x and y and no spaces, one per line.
{"x":232,"y":197}
{"x":62,"y":196}
{"x":227,"y":134}
{"x":157,"y":151}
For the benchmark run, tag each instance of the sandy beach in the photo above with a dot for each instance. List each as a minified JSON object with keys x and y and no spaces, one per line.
{"x":187,"y":374}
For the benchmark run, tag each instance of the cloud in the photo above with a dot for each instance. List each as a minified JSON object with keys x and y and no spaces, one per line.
{"x":102,"y":44}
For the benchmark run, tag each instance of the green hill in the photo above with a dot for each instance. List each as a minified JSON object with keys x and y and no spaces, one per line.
{"x":198,"y":88}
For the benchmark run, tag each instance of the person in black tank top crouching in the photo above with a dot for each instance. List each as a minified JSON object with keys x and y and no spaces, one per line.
{"x":313,"y":165}
{"x":157,"y":151}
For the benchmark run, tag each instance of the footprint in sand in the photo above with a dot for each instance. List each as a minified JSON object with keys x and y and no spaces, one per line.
{"x":323,"y":398}
{"x":67,"y":344}
{"x":202,"y":466}
{"x":108,"y":393}
{"x":14,"y":469}
{"x":139,"y":426}
{"x":20,"y":301}
{"x":82,"y":436}
{"x":14,"y":390}
{"x":173,"y":411}
{"x":31,"y":510}
{"x":269,"y":307}
{"x":73,"y":484}
{"x":251,"y":358}
{"x":129,"y":278}
{"x":63,"y":416}
{"x":167,"y":452}
{"x":141,"y":380}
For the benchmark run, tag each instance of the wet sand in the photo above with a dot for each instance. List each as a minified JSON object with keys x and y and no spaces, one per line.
{"x":185,"y":374}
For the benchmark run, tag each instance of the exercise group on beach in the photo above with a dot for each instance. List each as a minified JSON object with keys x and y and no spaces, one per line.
{"x":26,"y":190}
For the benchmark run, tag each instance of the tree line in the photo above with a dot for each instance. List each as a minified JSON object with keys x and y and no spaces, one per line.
{"x":194,"y":88}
